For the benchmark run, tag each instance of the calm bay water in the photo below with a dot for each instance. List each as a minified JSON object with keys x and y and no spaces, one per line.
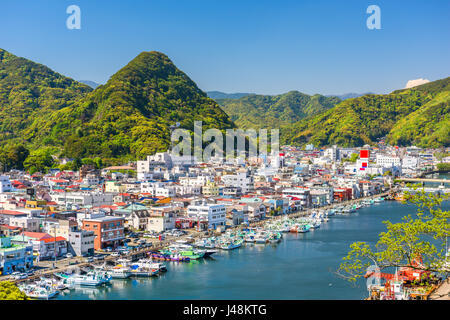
{"x":299,"y":267}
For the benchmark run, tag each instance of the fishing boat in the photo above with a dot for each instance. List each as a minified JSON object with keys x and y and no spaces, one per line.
{"x":119,"y":272}
{"x":38,"y":291}
{"x":230,"y":245}
{"x":149,"y":263}
{"x":92,"y":278}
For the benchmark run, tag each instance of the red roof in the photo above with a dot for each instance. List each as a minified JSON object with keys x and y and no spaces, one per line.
{"x":37,"y":235}
{"x":10,"y":227}
{"x":12,"y":213}
{"x":53,"y":239}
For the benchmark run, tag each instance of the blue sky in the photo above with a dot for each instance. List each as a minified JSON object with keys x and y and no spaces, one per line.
{"x":259,"y":46}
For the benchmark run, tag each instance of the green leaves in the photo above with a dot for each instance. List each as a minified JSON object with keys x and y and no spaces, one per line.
{"x":9,"y":291}
{"x":422,"y":236}
{"x":407,"y":117}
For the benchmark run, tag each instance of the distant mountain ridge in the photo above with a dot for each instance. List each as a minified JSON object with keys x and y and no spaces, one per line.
{"x":264,"y":111}
{"x":419,"y":116}
{"x":222,"y":95}
{"x":91,"y":84}
{"x":350,"y":95}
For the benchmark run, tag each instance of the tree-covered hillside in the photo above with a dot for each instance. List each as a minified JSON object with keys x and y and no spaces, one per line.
{"x":262,"y":111}
{"x":413,"y":116}
{"x":30,"y":92}
{"x":127,"y":118}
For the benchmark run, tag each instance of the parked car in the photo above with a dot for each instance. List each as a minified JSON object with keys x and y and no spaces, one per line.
{"x":90,"y":259}
{"x":109,"y":249}
{"x":115,"y":254}
{"x":69,"y":255}
{"x":20,"y":276}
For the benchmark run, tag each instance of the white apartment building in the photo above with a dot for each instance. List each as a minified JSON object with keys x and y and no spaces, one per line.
{"x":303,"y":194}
{"x":82,"y":198}
{"x":215,"y":214}
{"x":241,"y":179}
{"x":410,"y":162}
{"x":388,"y":161}
{"x":198,"y":181}
{"x":158,"y":189}
{"x":185,"y":190}
{"x":161,"y":159}
{"x":5,"y":184}
{"x":26,"y":223}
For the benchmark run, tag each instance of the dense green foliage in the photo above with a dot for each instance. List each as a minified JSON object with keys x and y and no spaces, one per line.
{"x":13,"y":156}
{"x":444,"y":167}
{"x":420,"y":236}
{"x":129,"y":116}
{"x":9,"y":291}
{"x":261,"y":111}
{"x":29,"y":93}
{"x":125,"y":119}
{"x":417,"y":116}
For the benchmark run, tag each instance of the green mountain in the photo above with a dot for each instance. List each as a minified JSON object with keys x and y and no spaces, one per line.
{"x":30,"y":91}
{"x":91,"y":84}
{"x":418,"y":116}
{"x":126,"y":118}
{"x":264,"y":111}
{"x":222,"y":95}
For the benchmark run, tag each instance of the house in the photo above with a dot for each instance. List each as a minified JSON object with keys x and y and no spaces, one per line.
{"x":108,"y":230}
{"x":139,"y":220}
{"x":14,"y":257}
{"x":44,"y":245}
{"x":81,"y":242}
{"x":215,"y":214}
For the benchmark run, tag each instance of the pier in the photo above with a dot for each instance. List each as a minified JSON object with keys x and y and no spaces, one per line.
{"x":158,"y":245}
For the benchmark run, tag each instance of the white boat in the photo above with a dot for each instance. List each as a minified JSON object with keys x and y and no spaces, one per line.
{"x":119,"y":272}
{"x":148,"y":263}
{"x":38,"y":292}
{"x":92,"y":278}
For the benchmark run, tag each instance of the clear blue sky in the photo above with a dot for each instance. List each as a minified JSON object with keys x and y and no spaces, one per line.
{"x":262,"y":46}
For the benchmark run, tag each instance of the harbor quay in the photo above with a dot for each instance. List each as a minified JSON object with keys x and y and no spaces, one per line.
{"x":158,"y":245}
{"x":86,"y":227}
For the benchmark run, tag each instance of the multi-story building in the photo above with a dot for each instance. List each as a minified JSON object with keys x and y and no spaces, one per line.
{"x":388,"y":161}
{"x":82,"y":198}
{"x":241,"y":179}
{"x":301,"y":193}
{"x":81,"y":242}
{"x":108,"y":230}
{"x":14,"y":257}
{"x":5,"y":184}
{"x":215,"y":214}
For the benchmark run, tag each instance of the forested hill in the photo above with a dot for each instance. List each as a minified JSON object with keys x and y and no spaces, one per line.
{"x":265,"y":111}
{"x":130,"y":115}
{"x":126,"y":118}
{"x":416,"y":116}
{"x":30,"y":92}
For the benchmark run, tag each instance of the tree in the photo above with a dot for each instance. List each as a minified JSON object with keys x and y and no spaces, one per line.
{"x":12,"y":157}
{"x":39,"y":160}
{"x":9,"y":291}
{"x":445,"y":167}
{"x":421,"y":236}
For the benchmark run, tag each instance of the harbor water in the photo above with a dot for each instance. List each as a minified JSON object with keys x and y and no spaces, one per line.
{"x":301,"y":266}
